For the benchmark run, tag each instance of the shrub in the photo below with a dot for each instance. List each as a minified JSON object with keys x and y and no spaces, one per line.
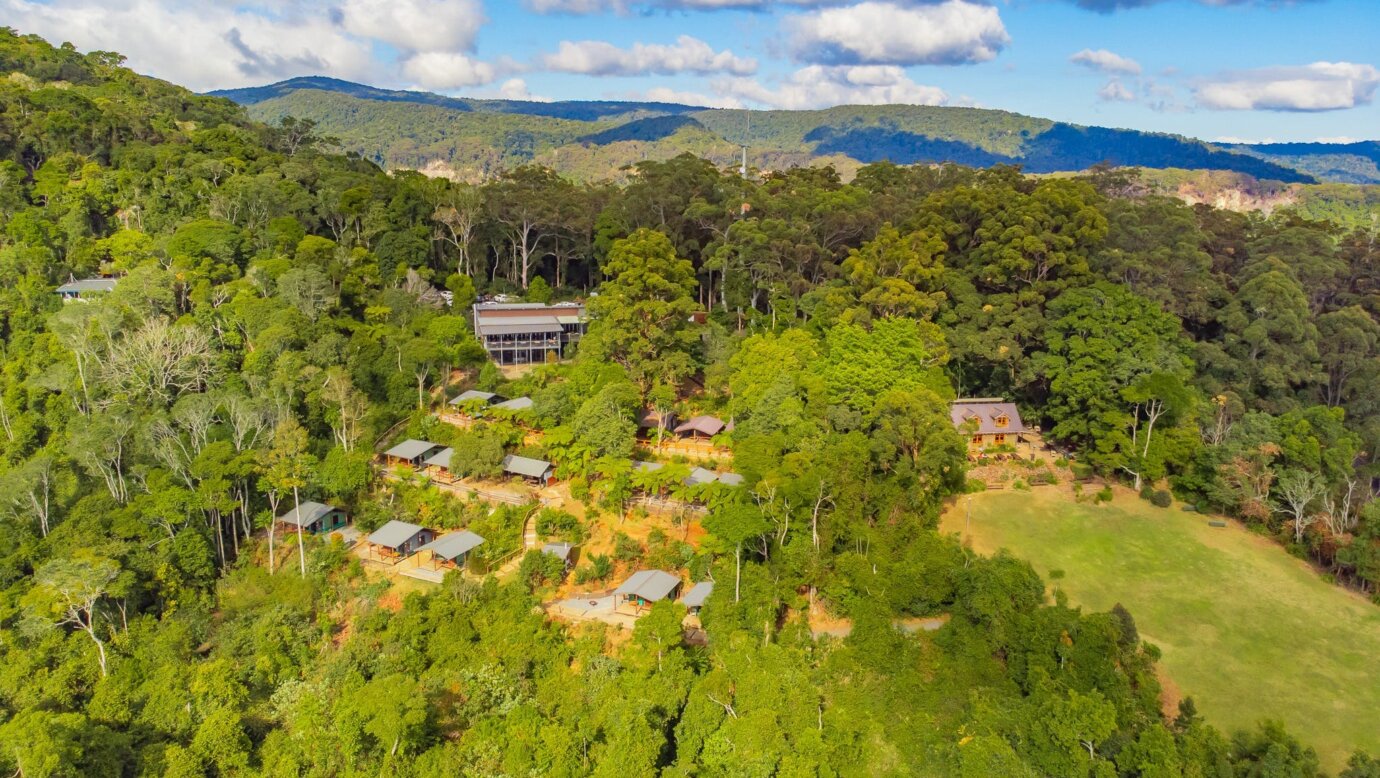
{"x":974,"y":486}
{"x":625,"y":549}
{"x":1161,"y":498}
{"x":1104,"y":495}
{"x":1082,"y":471}
{"x":1020,"y":485}
{"x":599,"y":568}
{"x":1147,"y":491}
{"x":1043,"y":477}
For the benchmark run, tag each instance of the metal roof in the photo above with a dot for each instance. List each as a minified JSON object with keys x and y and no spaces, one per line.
{"x":88,"y":285}
{"x":411,"y":449}
{"x":454,"y":545}
{"x":515,"y":404}
{"x":559,"y":550}
{"x":394,"y":534}
{"x":730,"y":479}
{"x":985,"y":412}
{"x":441,"y":458}
{"x":706,"y":425}
{"x":482,"y":307}
{"x":697,"y":594}
{"x":532,"y":468}
{"x":700,"y":476}
{"x":650,"y":585}
{"x":647,"y":467}
{"x":475,"y":394}
{"x":306,"y":514}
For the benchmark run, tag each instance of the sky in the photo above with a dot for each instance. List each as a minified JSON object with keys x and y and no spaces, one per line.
{"x":1247,"y":70}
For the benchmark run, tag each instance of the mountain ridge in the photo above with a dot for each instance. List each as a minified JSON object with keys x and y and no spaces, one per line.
{"x":597,"y":139}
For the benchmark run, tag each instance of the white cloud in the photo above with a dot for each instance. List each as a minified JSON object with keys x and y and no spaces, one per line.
{"x":415,"y":25}
{"x":1320,"y":86}
{"x":209,"y":44}
{"x":447,"y":70}
{"x":1241,"y":141}
{"x":1105,"y":61}
{"x":688,"y":55}
{"x":1116,"y":92}
{"x":663,"y":94}
{"x":884,"y":33}
{"x":201,"y":44}
{"x":516,"y":89}
{"x":626,"y":6}
{"x":820,"y":86}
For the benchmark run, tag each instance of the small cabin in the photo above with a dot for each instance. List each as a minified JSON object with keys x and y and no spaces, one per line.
{"x":647,"y":587}
{"x":438,"y":466}
{"x":987,"y":423}
{"x":650,"y":422}
{"x":475,"y":400}
{"x":562,"y":551}
{"x":412,"y":452}
{"x":314,"y":518}
{"x":452,"y":550}
{"x":701,"y":427}
{"x":399,"y":539}
{"x":695,"y":598}
{"x":514,"y":405}
{"x":85,"y":289}
{"x":537,"y":471}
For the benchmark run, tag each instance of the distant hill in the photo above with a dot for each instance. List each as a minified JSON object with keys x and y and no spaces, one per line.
{"x":473,"y":138}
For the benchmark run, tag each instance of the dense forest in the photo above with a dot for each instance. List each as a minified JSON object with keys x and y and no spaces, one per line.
{"x":277,"y":320}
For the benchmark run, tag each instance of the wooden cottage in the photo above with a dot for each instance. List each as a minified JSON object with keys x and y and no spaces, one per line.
{"x":701,"y":427}
{"x":695,"y":598}
{"x":562,"y":551}
{"x":537,"y":471}
{"x":987,"y":423}
{"x":474,"y":400}
{"x":314,"y":518}
{"x":85,"y":289}
{"x":398,"y":540}
{"x":514,"y":405}
{"x":647,"y":587}
{"x":412,"y":452}
{"x":438,"y":466}
{"x":452,"y":550}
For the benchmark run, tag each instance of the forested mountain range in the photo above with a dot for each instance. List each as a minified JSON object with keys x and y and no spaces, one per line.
{"x":594,"y":140}
{"x":275,"y":322}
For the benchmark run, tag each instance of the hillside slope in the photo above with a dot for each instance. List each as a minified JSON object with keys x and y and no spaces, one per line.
{"x":420,"y":130}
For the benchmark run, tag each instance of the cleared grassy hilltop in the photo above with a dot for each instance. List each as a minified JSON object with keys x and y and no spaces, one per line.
{"x":1247,"y":630}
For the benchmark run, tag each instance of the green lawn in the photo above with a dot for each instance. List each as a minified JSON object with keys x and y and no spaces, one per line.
{"x":1247,"y":630}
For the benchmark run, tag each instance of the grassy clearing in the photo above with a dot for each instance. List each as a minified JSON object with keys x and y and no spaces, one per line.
{"x":1247,"y":630}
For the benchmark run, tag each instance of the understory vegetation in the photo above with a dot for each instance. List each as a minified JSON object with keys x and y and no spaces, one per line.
{"x":279,"y":314}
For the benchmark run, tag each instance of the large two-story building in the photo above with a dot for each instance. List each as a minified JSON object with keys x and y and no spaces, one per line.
{"x":526,"y":333}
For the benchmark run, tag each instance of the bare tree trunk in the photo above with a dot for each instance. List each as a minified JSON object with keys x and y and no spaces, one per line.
{"x":301,"y":546}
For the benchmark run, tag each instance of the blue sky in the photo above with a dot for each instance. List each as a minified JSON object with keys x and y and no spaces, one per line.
{"x":1216,"y":69}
